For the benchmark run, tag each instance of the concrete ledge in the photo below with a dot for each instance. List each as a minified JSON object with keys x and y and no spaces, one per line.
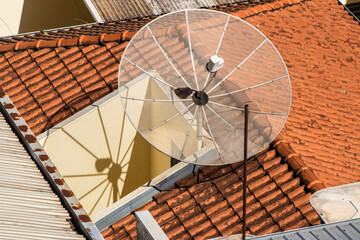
{"x":142,"y":195}
{"x":148,"y":228}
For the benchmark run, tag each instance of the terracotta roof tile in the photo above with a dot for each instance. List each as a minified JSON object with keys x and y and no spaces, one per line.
{"x":264,"y":224}
{"x":113,"y":27}
{"x":48,"y":75}
{"x":213,"y":206}
{"x":192,"y":217}
{"x":108,"y":232}
{"x":82,"y":40}
{"x":178,"y":233}
{"x":309,"y":214}
{"x":158,"y":209}
{"x":321,"y":125}
{"x":126,"y":221}
{"x":195,"y":221}
{"x":165,"y":195}
{"x":277,"y":201}
{"x":166,"y":217}
{"x":201,"y":229}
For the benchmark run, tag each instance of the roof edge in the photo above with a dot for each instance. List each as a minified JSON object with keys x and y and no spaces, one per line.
{"x":26,"y":137}
{"x":126,"y":35}
{"x":95,"y":14}
{"x":62,"y":42}
{"x":295,"y":162}
{"x":248,"y":12}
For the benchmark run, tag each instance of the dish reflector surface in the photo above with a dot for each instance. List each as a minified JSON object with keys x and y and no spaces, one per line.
{"x":195,"y":115}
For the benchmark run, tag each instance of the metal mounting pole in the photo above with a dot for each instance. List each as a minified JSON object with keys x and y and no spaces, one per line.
{"x":199,"y":129}
{"x":245,"y":169}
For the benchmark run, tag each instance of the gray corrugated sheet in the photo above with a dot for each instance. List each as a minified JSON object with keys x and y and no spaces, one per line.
{"x":113,"y":10}
{"x":349,"y":229}
{"x":29,"y":209}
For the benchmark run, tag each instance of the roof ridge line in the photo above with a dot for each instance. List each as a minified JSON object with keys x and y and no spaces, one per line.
{"x":295,"y":162}
{"x":248,"y":12}
{"x":68,"y":42}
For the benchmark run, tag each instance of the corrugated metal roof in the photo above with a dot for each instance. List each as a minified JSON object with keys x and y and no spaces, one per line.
{"x":349,"y":229}
{"x":113,"y":10}
{"x":29,"y":209}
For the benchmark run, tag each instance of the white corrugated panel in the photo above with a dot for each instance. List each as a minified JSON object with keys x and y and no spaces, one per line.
{"x":29,"y":209}
{"x":343,"y":230}
{"x":113,"y":10}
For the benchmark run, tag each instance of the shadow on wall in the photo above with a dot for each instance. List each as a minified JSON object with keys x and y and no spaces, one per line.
{"x":119,"y":178}
{"x":101,"y":156}
{"x":48,"y":14}
{"x":137,"y":166}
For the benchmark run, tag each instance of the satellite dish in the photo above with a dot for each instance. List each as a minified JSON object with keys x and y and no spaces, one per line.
{"x":185,"y":78}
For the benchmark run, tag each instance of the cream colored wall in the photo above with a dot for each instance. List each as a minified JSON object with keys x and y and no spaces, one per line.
{"x":101,"y":155}
{"x":21,"y":16}
{"x":162,"y":135}
{"x":159,"y":162}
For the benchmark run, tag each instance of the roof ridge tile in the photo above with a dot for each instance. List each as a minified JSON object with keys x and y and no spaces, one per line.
{"x":265,"y":7}
{"x":294,"y":161}
{"x":68,"y":42}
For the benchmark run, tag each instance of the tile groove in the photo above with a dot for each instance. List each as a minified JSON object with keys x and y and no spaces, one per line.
{"x":35,"y":100}
{"x":49,"y":80}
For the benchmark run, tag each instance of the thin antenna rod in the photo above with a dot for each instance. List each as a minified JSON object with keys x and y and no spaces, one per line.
{"x":231,"y":126}
{"x":249,"y":88}
{"x":199,"y":130}
{"x":186,"y":109}
{"x":222,"y":35}
{"x":148,"y":73}
{"x":188,"y":132}
{"x":162,"y":50}
{"x":190,"y":49}
{"x":217,"y":50}
{"x":212,"y":136}
{"x":156,"y":100}
{"x":245,"y":169}
{"x":252,"y":111}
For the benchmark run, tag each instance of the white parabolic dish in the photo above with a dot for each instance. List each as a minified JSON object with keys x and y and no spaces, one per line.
{"x":184,"y":110}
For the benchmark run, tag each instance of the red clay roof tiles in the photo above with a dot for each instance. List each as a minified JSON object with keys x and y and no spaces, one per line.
{"x":113,"y":27}
{"x":208,"y":203}
{"x":52,"y":83}
{"x":319,"y":50}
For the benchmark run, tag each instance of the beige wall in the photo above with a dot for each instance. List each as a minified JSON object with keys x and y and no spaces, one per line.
{"x":21,"y":16}
{"x":101,"y":155}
